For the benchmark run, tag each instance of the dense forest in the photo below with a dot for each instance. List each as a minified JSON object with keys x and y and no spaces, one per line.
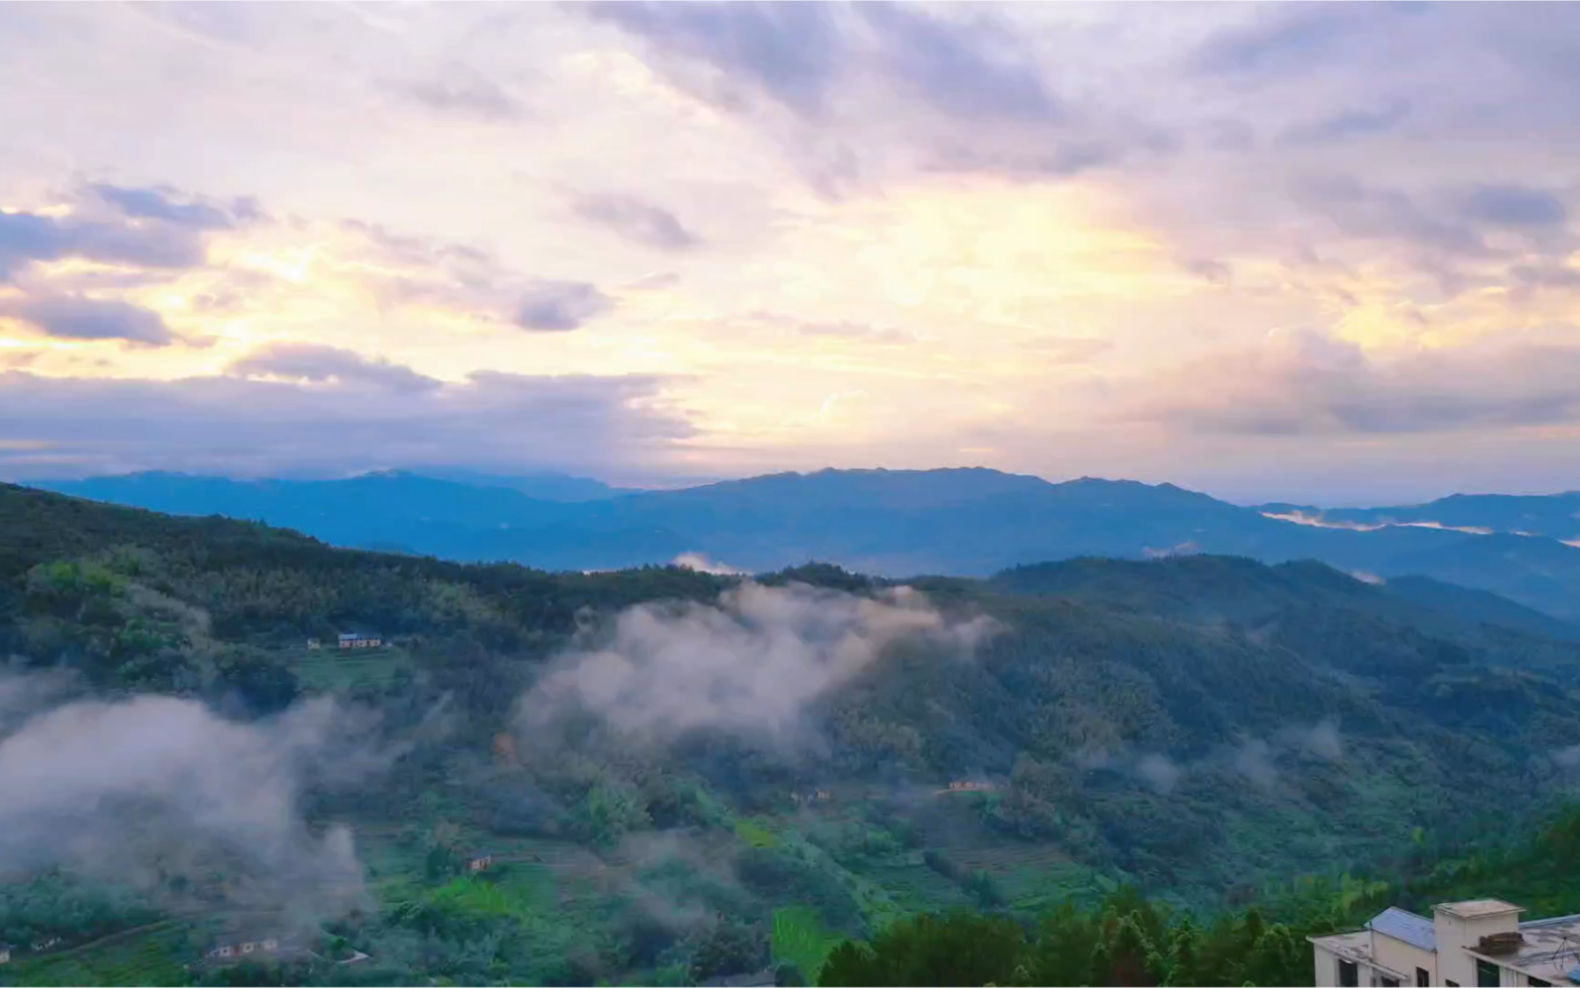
{"x":666,"y":776}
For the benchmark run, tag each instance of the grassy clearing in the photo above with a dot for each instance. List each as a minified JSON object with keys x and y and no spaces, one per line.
{"x":332,"y":669}
{"x":800,"y":938}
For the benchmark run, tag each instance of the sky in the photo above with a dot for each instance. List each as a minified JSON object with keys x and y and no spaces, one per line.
{"x":1322,"y":253}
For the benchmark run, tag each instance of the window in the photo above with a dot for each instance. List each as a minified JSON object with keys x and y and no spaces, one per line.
{"x":1539,"y":983}
{"x":1422,"y":979}
{"x":1487,"y":974}
{"x":1349,"y":975}
{"x":1388,"y":982}
{"x":1451,"y":984}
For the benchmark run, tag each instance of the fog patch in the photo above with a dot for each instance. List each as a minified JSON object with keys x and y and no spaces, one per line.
{"x":702,"y":564}
{"x":1154,"y":769}
{"x":1322,"y":739}
{"x":1159,"y":772}
{"x":1567,"y":757}
{"x":750,"y":663}
{"x":1254,"y":760}
{"x":1366,"y":577}
{"x":163,"y":793}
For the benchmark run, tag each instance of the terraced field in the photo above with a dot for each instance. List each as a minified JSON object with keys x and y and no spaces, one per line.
{"x":335,"y":670}
{"x":148,"y":955}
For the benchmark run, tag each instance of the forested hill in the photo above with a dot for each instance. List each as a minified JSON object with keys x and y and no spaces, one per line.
{"x":684,"y":775}
{"x":964,"y":522}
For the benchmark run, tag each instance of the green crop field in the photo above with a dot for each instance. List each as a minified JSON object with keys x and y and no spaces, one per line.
{"x":333,"y":669}
{"x":801,"y":938}
{"x":150,"y":955}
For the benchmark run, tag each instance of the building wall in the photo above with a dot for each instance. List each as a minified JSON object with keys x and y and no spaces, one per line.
{"x":1454,"y":935}
{"x":1327,"y":969}
{"x":1404,"y":957}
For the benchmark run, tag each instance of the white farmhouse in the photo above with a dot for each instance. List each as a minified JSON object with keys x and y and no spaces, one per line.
{"x":1480,"y":942}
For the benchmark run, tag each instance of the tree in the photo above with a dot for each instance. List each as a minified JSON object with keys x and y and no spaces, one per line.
{"x":1184,"y":963}
{"x":1277,"y":959}
{"x":960,"y":948}
{"x":1131,"y":955}
{"x":1062,"y":954}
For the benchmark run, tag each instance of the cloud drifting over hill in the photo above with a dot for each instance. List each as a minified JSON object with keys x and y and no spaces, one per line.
{"x":751,"y":663}
{"x":141,"y":789}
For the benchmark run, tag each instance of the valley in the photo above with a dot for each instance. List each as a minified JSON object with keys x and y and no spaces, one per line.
{"x":676,"y":775}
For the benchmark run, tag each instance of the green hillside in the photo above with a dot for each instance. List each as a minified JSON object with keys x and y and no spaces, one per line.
{"x":1200,"y":728}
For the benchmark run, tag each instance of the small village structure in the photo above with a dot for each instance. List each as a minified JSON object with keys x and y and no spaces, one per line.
{"x":357,"y":639}
{"x":238,"y":948}
{"x":5,"y":954}
{"x":478,"y":863}
{"x":757,"y":979}
{"x":313,"y":644}
{"x":1479,"y":942}
{"x":811,"y":796}
{"x":968,"y":786}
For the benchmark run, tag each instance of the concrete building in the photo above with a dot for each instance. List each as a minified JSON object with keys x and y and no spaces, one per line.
{"x":359,"y":640}
{"x":236,"y":948}
{"x":1481,"y":942}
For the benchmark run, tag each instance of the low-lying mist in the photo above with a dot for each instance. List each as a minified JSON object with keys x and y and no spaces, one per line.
{"x":750,"y":663}
{"x":161,"y":792}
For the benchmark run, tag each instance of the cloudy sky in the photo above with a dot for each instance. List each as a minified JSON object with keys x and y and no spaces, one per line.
{"x":1322,"y":252}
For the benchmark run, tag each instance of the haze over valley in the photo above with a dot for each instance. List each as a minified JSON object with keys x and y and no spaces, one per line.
{"x":745,"y":493}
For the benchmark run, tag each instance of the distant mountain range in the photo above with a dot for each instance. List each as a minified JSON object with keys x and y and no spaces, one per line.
{"x":968,"y":522}
{"x":1556,"y":516}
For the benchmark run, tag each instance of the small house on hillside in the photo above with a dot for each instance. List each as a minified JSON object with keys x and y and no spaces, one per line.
{"x":235,"y":947}
{"x":963,"y":786}
{"x":5,"y":954}
{"x":759,"y":979}
{"x":357,"y":639}
{"x":480,"y":862}
{"x":313,"y":644}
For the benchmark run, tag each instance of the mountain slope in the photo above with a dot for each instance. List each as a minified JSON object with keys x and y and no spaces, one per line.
{"x":1555,"y":516}
{"x":964,"y":522}
{"x":1191,"y":724}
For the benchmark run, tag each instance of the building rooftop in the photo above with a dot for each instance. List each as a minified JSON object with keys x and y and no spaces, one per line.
{"x":1404,"y":925}
{"x":1550,"y":951}
{"x":1478,"y":908}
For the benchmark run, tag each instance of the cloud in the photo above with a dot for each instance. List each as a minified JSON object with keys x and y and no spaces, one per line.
{"x":1348,"y":124}
{"x":1514,"y":206}
{"x":1321,"y":739}
{"x":473,"y":96}
{"x":969,"y":71}
{"x":317,"y":362}
{"x":752,"y":663}
{"x":143,"y":788}
{"x":1304,"y":384}
{"x":77,"y":318}
{"x":559,"y":306}
{"x":28,"y":237}
{"x":702,"y":564}
{"x":1254,"y":760}
{"x":638,"y":221}
{"x":63,"y":426}
{"x":1158,"y":771}
{"x":1067,"y":349}
{"x":855,"y":331}
{"x":158,"y":204}
{"x":916,"y":90}
{"x":1293,"y":38}
{"x":790,"y":52}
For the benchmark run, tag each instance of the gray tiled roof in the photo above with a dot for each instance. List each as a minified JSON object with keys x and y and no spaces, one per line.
{"x":1407,"y":926}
